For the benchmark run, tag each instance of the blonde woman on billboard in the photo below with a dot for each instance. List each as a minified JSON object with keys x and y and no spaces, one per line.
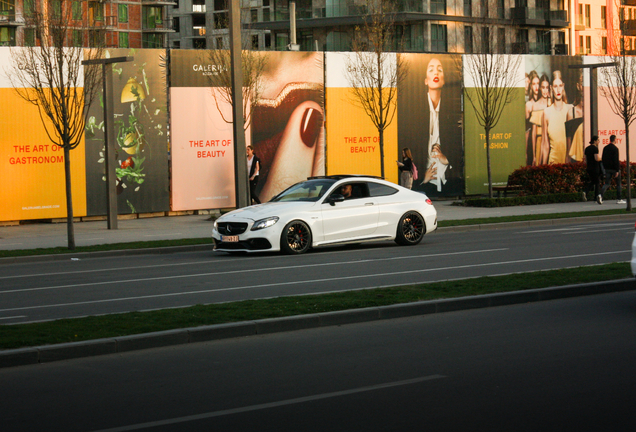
{"x":532,"y":95}
{"x":554,"y":143}
{"x":536,"y":118}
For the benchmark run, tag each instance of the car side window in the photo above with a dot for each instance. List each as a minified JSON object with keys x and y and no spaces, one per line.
{"x":352,"y":191}
{"x":377,"y":189}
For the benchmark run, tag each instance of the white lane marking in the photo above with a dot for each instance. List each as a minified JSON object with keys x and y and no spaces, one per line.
{"x":161,"y":235}
{"x":596,"y":228}
{"x":13,"y":317}
{"x":271,"y":404}
{"x":313,"y":281}
{"x":252,"y":270}
{"x":11,"y":244}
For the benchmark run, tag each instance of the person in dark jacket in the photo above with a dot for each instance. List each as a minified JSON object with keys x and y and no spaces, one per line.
{"x":612,"y":168}
{"x":253,"y":166}
{"x":593,"y":170}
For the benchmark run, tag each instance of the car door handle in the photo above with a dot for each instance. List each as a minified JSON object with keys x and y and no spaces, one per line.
{"x":366,"y":204}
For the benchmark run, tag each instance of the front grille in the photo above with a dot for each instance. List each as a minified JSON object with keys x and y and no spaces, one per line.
{"x":252,"y":244}
{"x":232,"y":228}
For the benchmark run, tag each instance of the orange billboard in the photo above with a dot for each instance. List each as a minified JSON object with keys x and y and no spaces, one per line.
{"x":32,"y":168}
{"x":352,"y":139}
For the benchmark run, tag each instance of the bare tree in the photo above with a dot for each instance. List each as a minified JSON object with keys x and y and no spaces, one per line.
{"x":495,"y":79}
{"x":253,"y":65}
{"x":618,"y":85}
{"x":48,"y":73}
{"x":372,"y":71}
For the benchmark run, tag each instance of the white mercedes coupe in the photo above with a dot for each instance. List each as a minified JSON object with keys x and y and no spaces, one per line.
{"x":326,"y":211}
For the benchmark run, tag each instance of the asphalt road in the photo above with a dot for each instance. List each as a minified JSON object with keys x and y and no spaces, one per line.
{"x":71,"y":288}
{"x":563,"y":365}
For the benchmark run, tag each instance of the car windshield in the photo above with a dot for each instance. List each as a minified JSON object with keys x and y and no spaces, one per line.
{"x":310,"y":190}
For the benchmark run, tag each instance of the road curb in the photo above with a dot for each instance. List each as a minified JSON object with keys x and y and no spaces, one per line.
{"x":74,"y":350}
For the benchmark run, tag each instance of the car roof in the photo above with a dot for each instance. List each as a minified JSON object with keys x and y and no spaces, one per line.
{"x":345,"y":176}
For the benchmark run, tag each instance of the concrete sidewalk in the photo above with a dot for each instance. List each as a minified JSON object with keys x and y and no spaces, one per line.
{"x":49,"y":235}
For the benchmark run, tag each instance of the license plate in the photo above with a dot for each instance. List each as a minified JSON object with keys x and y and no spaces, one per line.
{"x":229,"y":239}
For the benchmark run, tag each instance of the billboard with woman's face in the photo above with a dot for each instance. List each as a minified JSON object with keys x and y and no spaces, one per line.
{"x":430,"y":122}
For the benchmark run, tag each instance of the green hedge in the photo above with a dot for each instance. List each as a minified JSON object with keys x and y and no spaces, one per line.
{"x":547,"y":184}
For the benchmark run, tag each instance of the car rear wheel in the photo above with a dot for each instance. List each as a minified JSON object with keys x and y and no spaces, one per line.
{"x":296,"y":238}
{"x":410,"y":229}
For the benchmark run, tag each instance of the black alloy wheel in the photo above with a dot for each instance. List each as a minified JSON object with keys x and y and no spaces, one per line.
{"x":296,"y":238}
{"x":411,"y":229}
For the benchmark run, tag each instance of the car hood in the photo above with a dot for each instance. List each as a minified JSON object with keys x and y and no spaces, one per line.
{"x":261,"y":211}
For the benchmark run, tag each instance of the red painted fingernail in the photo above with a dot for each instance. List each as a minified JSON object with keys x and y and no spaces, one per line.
{"x":310,"y":126}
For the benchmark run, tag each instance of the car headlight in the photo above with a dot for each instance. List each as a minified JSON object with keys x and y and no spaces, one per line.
{"x":264,"y":223}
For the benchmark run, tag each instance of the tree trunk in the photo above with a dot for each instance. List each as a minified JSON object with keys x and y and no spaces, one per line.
{"x":381,"y":131}
{"x":69,"y":199}
{"x":487,"y":130}
{"x":628,"y":169}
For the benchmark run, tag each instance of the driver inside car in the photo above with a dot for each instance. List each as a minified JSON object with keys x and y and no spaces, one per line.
{"x":346,"y":190}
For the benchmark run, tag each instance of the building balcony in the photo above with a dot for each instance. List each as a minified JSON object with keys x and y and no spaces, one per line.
{"x":529,"y":16}
{"x":9,"y":18}
{"x":159,"y":3}
{"x":559,"y":18}
{"x":156,"y":26}
{"x":629,"y":28}
{"x":628,"y":2}
{"x":106,"y":23}
{"x":530,"y":48}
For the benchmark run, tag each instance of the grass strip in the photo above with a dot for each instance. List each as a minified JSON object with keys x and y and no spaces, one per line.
{"x":105,"y":326}
{"x":208,"y":240}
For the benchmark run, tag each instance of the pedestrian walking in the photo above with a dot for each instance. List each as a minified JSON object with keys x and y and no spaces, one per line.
{"x":253,"y":167}
{"x":612,"y":168}
{"x":406,"y":168}
{"x":593,"y":160}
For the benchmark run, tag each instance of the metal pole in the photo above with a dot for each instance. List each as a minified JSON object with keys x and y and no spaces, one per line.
{"x":593,"y":103}
{"x":109,"y":133}
{"x":109,"y":140}
{"x":240,"y":161}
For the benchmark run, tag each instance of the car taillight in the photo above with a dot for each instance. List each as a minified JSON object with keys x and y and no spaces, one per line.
{"x":428,"y":201}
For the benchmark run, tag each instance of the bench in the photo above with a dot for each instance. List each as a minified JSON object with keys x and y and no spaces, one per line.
{"x":507,"y":188}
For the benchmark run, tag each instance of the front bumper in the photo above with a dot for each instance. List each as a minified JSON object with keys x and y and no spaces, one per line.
{"x":247,"y":245}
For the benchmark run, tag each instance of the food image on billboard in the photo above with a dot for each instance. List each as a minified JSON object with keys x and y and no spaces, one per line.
{"x":140,"y":124}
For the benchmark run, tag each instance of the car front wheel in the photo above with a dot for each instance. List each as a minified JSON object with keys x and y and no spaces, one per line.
{"x":410,"y":229}
{"x":296,"y":238}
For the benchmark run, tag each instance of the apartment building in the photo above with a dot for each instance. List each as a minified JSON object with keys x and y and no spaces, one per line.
{"x":203,"y":24}
{"x":117,"y":24}
{"x":599,"y":24}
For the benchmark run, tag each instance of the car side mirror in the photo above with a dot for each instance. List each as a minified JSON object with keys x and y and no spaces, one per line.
{"x":333,"y":199}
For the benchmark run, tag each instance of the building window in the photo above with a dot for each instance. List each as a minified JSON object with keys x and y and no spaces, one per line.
{"x":603,"y":17}
{"x":587,"y":15}
{"x":29,"y":37}
{"x":438,"y":7}
{"x":78,"y":39}
{"x":95,"y":38}
{"x":253,"y":15}
{"x":580,"y":15}
{"x":176,"y":25}
{"x":152,"y":17}
{"x":219,"y":43}
{"x":604,"y":45}
{"x":77,"y":10}
{"x":266,"y":14}
{"x":501,"y":9}
{"x":123,"y":13}
{"x":501,"y":40}
{"x":336,"y":41}
{"x":152,"y":40}
{"x":485,"y":40}
{"x":468,"y":39}
{"x":7,"y":36}
{"x":588,"y":44}
{"x":221,"y":20}
{"x":96,"y":11}
{"x":581,"y":45}
{"x":438,"y":38}
{"x":468,"y":7}
{"x":123,"y":40}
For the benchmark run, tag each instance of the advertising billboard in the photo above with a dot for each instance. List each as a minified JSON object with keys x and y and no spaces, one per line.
{"x":31,"y":166}
{"x":141,"y":130}
{"x":430,"y":122}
